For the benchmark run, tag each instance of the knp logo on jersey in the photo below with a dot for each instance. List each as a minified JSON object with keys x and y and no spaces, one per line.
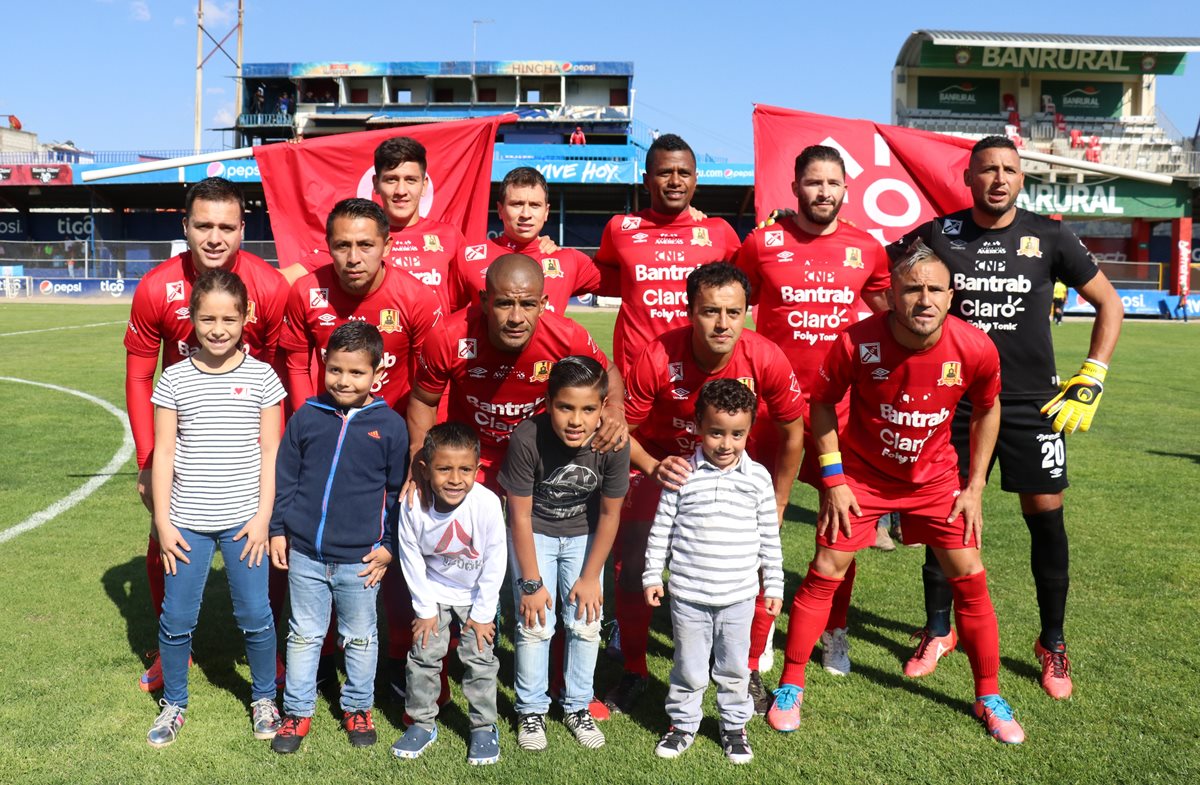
{"x":675,"y":371}
{"x":773,"y":239}
{"x":1031,"y":247}
{"x":631,"y":222}
{"x":541,"y":371}
{"x":475,"y":253}
{"x":700,"y":237}
{"x":175,"y":291}
{"x":951,"y":375}
{"x":868,"y":353}
{"x":239,"y":393}
{"x":318,"y":298}
{"x":853,"y":258}
{"x":456,"y":543}
{"x":466,"y":348}
{"x":389,"y":320}
{"x":433,"y":243}
{"x":951,"y":226}
{"x":551,"y":268}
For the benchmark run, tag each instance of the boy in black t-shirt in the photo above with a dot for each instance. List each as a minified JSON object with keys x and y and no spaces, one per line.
{"x":564,"y":503}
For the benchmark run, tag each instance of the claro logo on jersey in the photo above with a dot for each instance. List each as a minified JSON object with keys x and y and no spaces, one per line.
{"x":975,"y":309}
{"x":502,"y":417}
{"x":664,"y":303}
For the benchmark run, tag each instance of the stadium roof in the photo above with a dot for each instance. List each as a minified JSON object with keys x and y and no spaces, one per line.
{"x":910,"y":53}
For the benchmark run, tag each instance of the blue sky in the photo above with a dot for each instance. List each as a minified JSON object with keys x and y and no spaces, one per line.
{"x":119,"y":74}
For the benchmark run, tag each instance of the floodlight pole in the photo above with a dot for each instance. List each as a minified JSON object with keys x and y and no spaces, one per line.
{"x":199,"y":73}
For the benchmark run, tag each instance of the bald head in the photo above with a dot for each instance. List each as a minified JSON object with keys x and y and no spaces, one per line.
{"x":514,"y":270}
{"x":513,"y":301}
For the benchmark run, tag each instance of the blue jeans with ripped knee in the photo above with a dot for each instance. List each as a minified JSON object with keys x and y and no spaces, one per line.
{"x":560,"y":561}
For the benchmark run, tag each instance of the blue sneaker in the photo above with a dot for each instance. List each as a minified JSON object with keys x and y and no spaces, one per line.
{"x":784,"y":714}
{"x":484,"y":746}
{"x":414,"y":741}
{"x":997,"y":717}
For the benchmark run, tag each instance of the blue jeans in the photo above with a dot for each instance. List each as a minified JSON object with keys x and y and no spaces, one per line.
{"x":313,"y":587}
{"x":181,"y":609}
{"x":560,"y":561}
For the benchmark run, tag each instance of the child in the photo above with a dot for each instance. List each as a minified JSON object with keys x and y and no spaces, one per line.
{"x":344,"y":459}
{"x":718,"y":529}
{"x":564,"y":505}
{"x":453,"y":554}
{"x":216,"y":426}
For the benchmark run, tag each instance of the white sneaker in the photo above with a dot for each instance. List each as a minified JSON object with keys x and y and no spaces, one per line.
{"x":767,"y":661}
{"x":531,"y":732}
{"x":835,"y":652}
{"x":583,"y":725}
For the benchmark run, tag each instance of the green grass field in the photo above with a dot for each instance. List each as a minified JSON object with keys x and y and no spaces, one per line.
{"x":77,"y":618}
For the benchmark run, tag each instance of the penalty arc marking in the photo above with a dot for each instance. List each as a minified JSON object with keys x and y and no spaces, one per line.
{"x":124,"y":453}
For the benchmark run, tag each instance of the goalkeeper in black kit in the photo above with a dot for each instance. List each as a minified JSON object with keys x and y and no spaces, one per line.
{"x":1004,"y":261}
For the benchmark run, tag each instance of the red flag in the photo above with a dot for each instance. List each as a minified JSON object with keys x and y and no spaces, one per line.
{"x":303,"y":181}
{"x":897,"y":177}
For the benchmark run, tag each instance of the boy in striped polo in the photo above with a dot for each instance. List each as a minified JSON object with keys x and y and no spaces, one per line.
{"x":715,"y":551}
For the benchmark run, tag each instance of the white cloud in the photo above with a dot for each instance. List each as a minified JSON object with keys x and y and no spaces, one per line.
{"x":224,"y":116}
{"x":139,"y":11}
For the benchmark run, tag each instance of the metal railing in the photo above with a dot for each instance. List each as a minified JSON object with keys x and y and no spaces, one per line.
{"x":103,"y":259}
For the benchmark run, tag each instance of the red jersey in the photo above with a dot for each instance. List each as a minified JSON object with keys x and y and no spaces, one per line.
{"x":491,"y":389}
{"x":404,"y":311}
{"x":662,"y":387}
{"x":902,"y":401}
{"x":809,"y":288}
{"x":645,"y":259}
{"x":159,"y":320}
{"x":567,"y":272}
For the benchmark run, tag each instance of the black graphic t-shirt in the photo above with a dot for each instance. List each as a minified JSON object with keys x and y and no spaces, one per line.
{"x":1003,"y":281}
{"x":566,"y":483}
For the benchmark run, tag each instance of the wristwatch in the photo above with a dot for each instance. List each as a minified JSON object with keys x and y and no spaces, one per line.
{"x":529,"y":587}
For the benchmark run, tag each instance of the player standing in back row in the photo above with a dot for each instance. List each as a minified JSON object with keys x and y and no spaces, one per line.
{"x":1004,"y":261}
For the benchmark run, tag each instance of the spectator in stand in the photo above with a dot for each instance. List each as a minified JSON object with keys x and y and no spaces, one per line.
{"x":577,"y":137}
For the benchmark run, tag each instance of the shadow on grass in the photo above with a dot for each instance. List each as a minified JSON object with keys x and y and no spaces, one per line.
{"x":125,"y":585}
{"x":1194,"y":458}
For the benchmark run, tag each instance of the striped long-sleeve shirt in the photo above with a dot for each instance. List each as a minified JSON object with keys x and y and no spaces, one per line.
{"x":716,"y":531}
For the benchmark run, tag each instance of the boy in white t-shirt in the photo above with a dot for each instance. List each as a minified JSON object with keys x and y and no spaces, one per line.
{"x":453,"y":553}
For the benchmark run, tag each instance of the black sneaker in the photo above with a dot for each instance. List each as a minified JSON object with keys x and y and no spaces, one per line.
{"x":291,"y":732}
{"x":359,"y":727}
{"x":759,"y":694}
{"x":624,"y":696}
{"x":736,"y":745}
{"x":674,"y":743}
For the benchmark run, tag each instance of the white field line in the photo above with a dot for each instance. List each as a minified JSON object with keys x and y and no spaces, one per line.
{"x":56,"y":329}
{"x":88,"y":488}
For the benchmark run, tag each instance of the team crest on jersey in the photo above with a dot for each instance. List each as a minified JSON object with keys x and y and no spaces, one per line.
{"x":951,"y":226}
{"x":700,"y":236}
{"x":748,"y":381}
{"x":1030,"y":246}
{"x":432,"y":242}
{"x":251,"y":316}
{"x":675,"y":371}
{"x":474,"y":253}
{"x":868,"y":353}
{"x":631,"y":222}
{"x":175,"y":291}
{"x":318,"y":298}
{"x":389,"y":320}
{"x":466,"y":348}
{"x":853,"y":258}
{"x":541,"y":371}
{"x":551,"y":268}
{"x":239,"y":392}
{"x":773,"y":239}
{"x":951,"y":375}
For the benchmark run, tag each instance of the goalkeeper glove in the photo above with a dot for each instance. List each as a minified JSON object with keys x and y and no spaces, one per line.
{"x":776,"y":216}
{"x":1074,"y":407}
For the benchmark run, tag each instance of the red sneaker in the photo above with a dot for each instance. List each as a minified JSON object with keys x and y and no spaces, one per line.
{"x":359,"y":727}
{"x":152,"y":679}
{"x":930,"y":649}
{"x":291,"y":732}
{"x":1056,"y":670}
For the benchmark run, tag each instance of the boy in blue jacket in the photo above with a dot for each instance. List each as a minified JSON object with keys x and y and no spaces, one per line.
{"x":339,"y":471}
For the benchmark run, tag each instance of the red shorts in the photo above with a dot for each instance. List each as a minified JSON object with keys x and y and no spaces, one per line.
{"x":641,"y":502}
{"x":923,"y":511}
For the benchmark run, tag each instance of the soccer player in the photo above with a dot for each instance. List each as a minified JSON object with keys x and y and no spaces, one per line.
{"x":645,"y":258}
{"x":523,"y":207}
{"x":660,"y":401}
{"x":906,"y":371}
{"x":159,"y":321}
{"x":812,"y":276}
{"x":1004,"y":262}
{"x":495,"y":359}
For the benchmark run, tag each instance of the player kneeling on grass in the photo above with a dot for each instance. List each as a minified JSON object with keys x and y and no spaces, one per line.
{"x":717,"y":531}
{"x":453,"y":553}
{"x":343,"y":461}
{"x":564,"y":504}
{"x":216,"y":425}
{"x":906,"y":370}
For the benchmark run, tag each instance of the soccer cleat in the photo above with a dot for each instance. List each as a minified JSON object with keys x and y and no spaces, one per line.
{"x":1056,"y":670}
{"x":997,"y":716}
{"x":835,"y":652}
{"x":531,"y":732}
{"x":583,"y":725}
{"x":736,"y":745}
{"x":291,"y":733}
{"x":166,"y":726}
{"x":624,"y":696}
{"x":784,"y":714}
{"x":883,"y":540}
{"x":264,"y":717}
{"x":930,"y":649}
{"x":414,"y":741}
{"x":598,"y":710}
{"x":152,"y":679}
{"x":674,"y":743}
{"x":359,"y":727}
{"x":759,"y":694}
{"x":483,"y":749}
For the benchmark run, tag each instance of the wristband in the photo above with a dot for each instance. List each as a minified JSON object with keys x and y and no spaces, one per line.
{"x":1095,"y":369}
{"x":831,"y":470}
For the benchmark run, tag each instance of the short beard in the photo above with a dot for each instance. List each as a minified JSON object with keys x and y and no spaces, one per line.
{"x":808,"y":212}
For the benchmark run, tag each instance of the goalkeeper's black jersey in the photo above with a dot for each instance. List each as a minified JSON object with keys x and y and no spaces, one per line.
{"x":1003,"y":282}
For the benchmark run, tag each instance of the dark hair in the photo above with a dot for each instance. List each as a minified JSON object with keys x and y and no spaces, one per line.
{"x":668,"y":143}
{"x":219,"y":280}
{"x":358,"y":208}
{"x":818,"y":152}
{"x":716,"y":274}
{"x":726,"y":395}
{"x":577,"y":370}
{"x":452,"y":435}
{"x":523,"y":177}
{"x":398,"y":150}
{"x":214,"y":189}
{"x":989,"y":142}
{"x":357,"y":336}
